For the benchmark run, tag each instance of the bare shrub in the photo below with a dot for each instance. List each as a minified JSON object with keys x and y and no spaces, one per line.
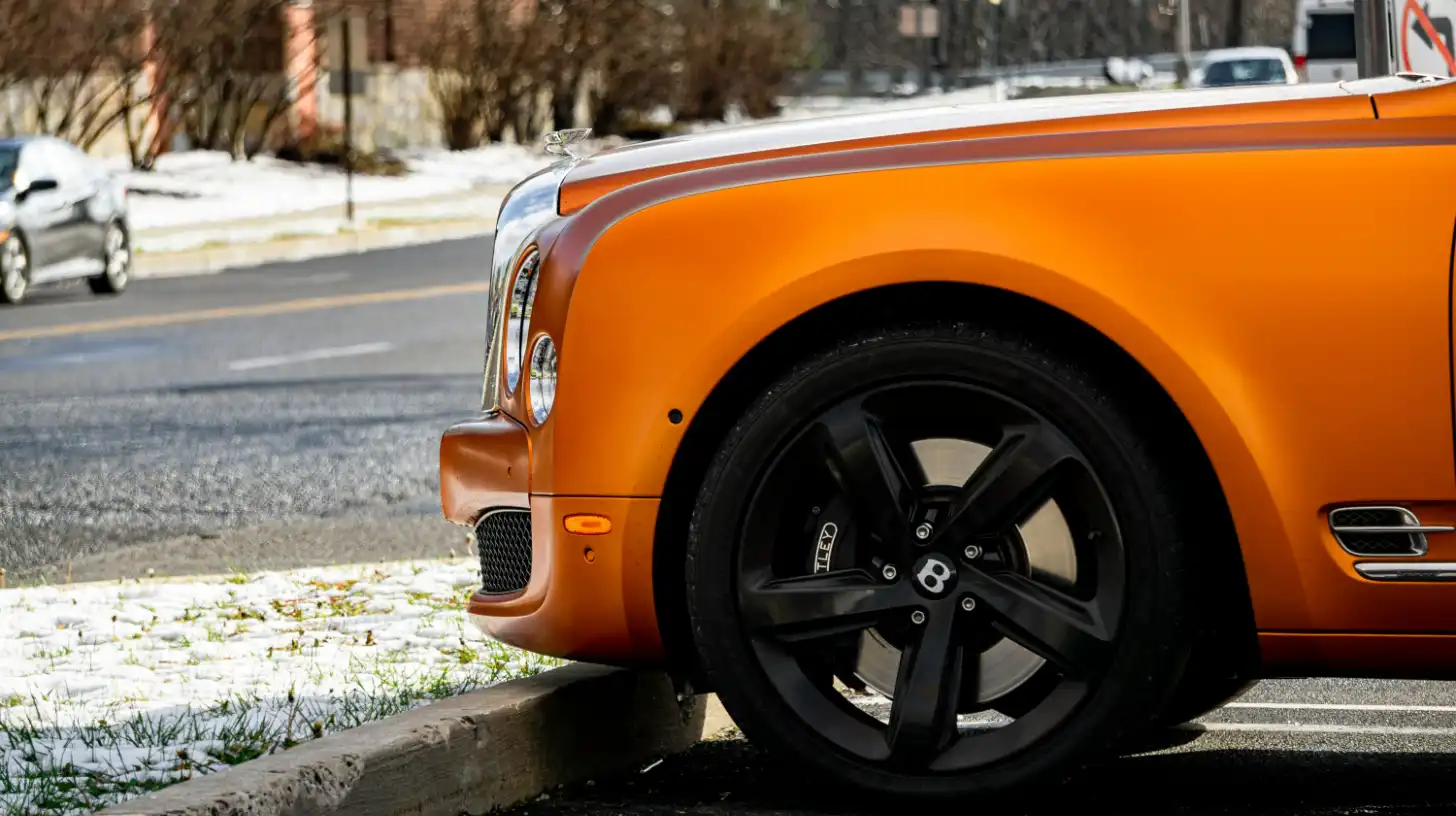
{"x":486,"y":71}
{"x":737,"y":51}
{"x":633,"y":71}
{"x":224,"y":76}
{"x":78,"y":68}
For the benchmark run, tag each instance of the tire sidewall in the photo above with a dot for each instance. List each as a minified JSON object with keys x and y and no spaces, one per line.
{"x":1152,"y":641}
{"x":111,"y":284}
{"x":5,"y":297}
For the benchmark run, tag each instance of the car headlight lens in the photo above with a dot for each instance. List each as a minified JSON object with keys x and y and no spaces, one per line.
{"x":543,"y":378}
{"x":518,"y":319}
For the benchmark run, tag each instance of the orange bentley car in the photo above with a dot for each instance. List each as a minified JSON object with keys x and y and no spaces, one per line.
{"x":954,"y":446}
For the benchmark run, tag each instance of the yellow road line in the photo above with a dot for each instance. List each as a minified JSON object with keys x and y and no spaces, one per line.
{"x":301,"y":305}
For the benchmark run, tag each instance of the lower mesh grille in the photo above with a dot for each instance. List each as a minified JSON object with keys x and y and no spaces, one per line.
{"x":504,"y":540}
{"x":1373,"y":544}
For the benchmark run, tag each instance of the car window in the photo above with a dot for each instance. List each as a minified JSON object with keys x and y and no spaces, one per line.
{"x":1245,"y":72}
{"x":1330,"y":37}
{"x":9,"y":157}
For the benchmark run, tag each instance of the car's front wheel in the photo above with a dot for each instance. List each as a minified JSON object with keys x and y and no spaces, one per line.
{"x":940,"y":561}
{"x":116,"y":255}
{"x":14,"y":270}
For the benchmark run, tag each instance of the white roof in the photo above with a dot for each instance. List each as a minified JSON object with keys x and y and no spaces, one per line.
{"x":1247,"y":52}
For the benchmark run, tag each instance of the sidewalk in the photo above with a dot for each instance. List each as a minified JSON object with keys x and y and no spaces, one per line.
{"x":208,"y":248}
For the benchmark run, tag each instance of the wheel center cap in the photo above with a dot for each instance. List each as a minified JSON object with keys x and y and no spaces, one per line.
{"x":934,"y":575}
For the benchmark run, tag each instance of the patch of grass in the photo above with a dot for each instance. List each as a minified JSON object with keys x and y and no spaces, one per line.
{"x":330,"y":655}
{"x":204,"y":739}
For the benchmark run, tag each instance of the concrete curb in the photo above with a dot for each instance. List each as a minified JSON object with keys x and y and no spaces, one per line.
{"x":493,"y":748}
{"x":216,"y":259}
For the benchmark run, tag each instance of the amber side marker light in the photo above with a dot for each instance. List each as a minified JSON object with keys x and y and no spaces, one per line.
{"x":587,"y":524}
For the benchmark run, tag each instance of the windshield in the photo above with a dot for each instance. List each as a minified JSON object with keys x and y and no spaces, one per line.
{"x":1245,"y":72}
{"x":8,"y":158}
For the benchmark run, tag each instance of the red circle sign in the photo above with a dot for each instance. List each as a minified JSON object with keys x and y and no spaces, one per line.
{"x":1432,"y":33}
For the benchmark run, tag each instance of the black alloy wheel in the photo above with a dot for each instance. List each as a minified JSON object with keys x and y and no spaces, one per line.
{"x":938,"y":561}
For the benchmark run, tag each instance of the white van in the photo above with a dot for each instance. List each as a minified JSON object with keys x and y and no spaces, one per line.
{"x":1324,"y":40}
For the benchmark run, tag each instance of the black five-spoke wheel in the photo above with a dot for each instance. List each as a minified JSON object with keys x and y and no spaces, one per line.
{"x":927,"y":565}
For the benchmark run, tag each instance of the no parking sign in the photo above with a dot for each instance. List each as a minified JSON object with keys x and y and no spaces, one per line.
{"x":1426,"y":36}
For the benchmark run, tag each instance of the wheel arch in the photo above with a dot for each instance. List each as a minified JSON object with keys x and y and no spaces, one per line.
{"x":1232,"y":635}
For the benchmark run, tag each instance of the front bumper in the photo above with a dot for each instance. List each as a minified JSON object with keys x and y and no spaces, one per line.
{"x":588,"y":597}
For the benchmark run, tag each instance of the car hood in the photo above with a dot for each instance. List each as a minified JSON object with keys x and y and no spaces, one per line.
{"x":609,"y":170}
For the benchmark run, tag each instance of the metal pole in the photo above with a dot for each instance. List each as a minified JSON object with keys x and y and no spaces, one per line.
{"x":1185,"y":42}
{"x":348,"y":120}
{"x":924,"y":43}
{"x":1374,"y":55}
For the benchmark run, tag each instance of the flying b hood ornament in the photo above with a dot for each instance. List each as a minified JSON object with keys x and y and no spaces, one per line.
{"x":560,"y":142}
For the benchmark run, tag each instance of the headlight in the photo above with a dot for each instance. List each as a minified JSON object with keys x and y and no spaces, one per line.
{"x":543,"y":378}
{"x":529,"y":207}
{"x":523,"y":294}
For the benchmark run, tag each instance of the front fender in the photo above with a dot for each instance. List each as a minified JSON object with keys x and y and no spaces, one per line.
{"x":1238,"y":332}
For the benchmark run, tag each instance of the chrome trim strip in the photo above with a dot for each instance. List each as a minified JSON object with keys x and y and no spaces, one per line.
{"x":526,"y":210}
{"x":495,"y":511}
{"x":1418,"y":528}
{"x":1438,"y":571}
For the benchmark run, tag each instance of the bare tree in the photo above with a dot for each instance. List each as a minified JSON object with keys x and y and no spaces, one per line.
{"x":736,"y":51}
{"x":486,"y":71}
{"x":224,"y":74}
{"x":634,"y":72}
{"x":78,"y":69}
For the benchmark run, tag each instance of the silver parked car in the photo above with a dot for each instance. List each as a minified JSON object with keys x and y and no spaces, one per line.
{"x":62,"y":217}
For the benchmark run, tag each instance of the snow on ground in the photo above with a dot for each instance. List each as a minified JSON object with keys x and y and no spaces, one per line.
{"x":310,"y":226}
{"x":110,"y":690}
{"x":202,"y":187}
{"x":808,"y":107}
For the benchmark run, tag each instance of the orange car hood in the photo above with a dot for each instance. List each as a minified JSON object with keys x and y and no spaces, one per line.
{"x":612,"y":169}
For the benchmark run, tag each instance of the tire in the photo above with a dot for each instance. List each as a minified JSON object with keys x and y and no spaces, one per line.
{"x":14,"y":282}
{"x":772,"y":633}
{"x":116,"y":255}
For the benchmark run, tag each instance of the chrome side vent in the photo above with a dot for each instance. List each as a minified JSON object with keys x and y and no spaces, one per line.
{"x":1427,"y":571}
{"x":1381,"y":532}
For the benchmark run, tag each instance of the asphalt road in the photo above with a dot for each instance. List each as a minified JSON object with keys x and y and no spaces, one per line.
{"x":282,"y":416}
{"x":1288,"y":747}
{"x":290,"y":415}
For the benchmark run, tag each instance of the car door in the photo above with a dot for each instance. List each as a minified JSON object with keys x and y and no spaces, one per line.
{"x":40,"y":214}
{"x":81,"y":179}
